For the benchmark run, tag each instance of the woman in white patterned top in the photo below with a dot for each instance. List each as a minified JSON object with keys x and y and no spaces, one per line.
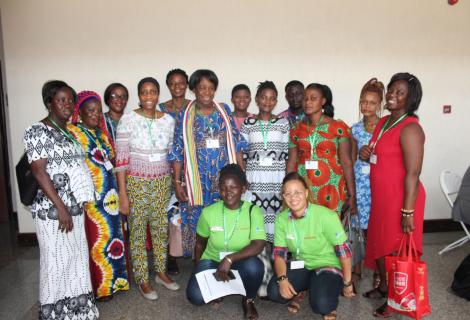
{"x":144,"y":137}
{"x":57,"y":163}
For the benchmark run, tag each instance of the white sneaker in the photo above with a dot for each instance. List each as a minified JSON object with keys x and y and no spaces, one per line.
{"x":170,"y":286}
{"x":152,"y":295}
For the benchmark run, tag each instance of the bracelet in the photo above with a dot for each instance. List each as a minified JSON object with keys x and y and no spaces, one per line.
{"x":407,"y":210}
{"x":347,"y":284}
{"x":229,"y":260}
{"x":281,"y":278}
{"x":407,"y":215}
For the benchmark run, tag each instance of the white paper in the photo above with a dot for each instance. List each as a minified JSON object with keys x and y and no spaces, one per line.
{"x":212,"y":289}
{"x":297,"y":264}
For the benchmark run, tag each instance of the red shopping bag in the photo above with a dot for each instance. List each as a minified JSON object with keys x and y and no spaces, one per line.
{"x":407,"y":281}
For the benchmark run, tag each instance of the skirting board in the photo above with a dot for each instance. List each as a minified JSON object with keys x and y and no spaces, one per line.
{"x":437,"y":225}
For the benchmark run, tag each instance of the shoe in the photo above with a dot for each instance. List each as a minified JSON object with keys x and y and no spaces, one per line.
{"x":170,"y":286}
{"x":172,"y":267}
{"x":375,"y":294}
{"x":152,"y":295}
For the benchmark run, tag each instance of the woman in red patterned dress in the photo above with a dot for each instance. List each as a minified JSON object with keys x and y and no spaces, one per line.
{"x":320,"y":151}
{"x":395,"y":153}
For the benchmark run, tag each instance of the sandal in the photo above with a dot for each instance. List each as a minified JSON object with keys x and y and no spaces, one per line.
{"x":382,"y":311}
{"x":294,"y":305}
{"x":249,"y":310}
{"x":375,"y":293}
{"x":330,"y":316}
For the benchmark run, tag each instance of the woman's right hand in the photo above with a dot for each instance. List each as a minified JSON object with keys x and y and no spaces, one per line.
{"x":180,"y":193}
{"x":124,"y":206}
{"x":286,"y":289}
{"x":364,"y":153}
{"x":65,"y":220}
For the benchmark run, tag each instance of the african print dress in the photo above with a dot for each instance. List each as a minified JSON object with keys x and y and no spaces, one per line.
{"x":65,"y":290}
{"x":103,"y":221}
{"x":265,"y":178}
{"x":362,"y":175}
{"x":210,"y":162}
{"x":327,"y":181}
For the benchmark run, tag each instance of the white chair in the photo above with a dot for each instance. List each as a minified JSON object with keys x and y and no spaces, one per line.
{"x":450,"y":184}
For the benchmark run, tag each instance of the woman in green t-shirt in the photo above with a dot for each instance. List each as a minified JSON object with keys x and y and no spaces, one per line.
{"x":321,"y":258}
{"x":230,"y":235}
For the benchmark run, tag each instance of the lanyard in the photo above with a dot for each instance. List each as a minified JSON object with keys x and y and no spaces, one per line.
{"x":313,"y":137}
{"x":208,"y":124}
{"x":149,"y":123}
{"x":382,"y":131}
{"x":265,"y":132}
{"x":94,"y":137}
{"x":298,"y":237}
{"x":67,"y":134}
{"x":226,"y":238}
{"x":110,"y":123}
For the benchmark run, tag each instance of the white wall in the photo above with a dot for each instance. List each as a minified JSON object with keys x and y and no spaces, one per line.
{"x":342,"y":43}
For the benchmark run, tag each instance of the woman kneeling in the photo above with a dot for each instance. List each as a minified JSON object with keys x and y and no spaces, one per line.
{"x":230,"y":233}
{"x":321,"y":258}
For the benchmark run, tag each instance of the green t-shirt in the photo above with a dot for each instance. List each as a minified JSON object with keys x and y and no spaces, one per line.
{"x":211,"y":225}
{"x":320,"y":230}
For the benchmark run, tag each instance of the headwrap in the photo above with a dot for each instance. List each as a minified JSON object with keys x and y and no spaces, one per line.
{"x":83,"y":97}
{"x":191,"y":168}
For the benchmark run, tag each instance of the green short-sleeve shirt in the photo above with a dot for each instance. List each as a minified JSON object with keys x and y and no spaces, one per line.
{"x":320,"y":229}
{"x":211,"y":226}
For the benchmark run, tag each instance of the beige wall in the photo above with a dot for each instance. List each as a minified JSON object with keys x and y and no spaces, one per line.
{"x":342,"y":43}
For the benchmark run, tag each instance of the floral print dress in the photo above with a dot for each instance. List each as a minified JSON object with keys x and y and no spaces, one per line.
{"x":327,"y":181}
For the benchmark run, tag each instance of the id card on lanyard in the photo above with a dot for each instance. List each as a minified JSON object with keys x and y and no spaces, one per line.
{"x":264,"y":159}
{"x":228,"y":237}
{"x":312,"y":164}
{"x":373,"y":157}
{"x":298,"y":263}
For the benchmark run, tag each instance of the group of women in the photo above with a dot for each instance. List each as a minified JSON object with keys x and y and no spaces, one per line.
{"x":261,"y":194}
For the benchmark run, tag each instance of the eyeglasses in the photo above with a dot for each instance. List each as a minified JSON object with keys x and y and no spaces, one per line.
{"x":295,"y":194}
{"x":118,"y":97}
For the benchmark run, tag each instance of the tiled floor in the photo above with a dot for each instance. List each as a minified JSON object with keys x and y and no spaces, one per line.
{"x":19,"y":280}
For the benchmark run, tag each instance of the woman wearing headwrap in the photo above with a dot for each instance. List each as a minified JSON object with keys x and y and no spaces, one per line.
{"x":103,"y":222}
{"x":206,"y":139}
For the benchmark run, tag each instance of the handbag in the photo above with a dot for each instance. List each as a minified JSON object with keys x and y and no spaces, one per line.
{"x":356,"y":239}
{"x":175,"y":238}
{"x":27,"y":184}
{"x":407,"y":281}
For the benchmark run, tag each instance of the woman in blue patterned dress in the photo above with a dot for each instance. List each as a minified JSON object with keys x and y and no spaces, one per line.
{"x":206,"y":139}
{"x":369,"y":106}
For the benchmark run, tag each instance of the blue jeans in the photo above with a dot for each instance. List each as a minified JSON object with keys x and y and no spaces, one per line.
{"x":251,"y":271}
{"x":323,"y":289}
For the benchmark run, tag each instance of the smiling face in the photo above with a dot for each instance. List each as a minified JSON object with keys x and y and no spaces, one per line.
{"x":90,"y":113}
{"x":369,"y":103}
{"x":148,"y":96}
{"x":313,"y":101}
{"x":231,"y":190}
{"x":205,"y":92}
{"x":295,"y":196}
{"x":397,"y":96}
{"x":118,"y":99}
{"x":241,"y":100}
{"x":266,"y":100}
{"x":61,"y":106}
{"x":177,"y":85}
{"x":295,"y":96}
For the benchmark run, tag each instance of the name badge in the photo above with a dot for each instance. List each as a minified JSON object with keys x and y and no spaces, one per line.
{"x":223,"y":254}
{"x":365,"y":169}
{"x":290,"y":237}
{"x":373,"y":158}
{"x":297,"y":264}
{"x":216,"y":228}
{"x":108,"y":165}
{"x":265,"y":161}
{"x":156,"y":157}
{"x":212,"y":143}
{"x":311,"y":165}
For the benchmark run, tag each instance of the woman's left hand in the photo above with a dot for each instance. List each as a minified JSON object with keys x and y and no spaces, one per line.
{"x":348,"y":292}
{"x":407,"y":224}
{"x":222,"y":271}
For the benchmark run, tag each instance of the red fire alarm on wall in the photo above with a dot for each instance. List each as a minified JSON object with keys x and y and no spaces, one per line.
{"x":447,"y":108}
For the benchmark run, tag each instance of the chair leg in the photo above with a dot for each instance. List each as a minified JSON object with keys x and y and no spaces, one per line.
{"x":455,"y":244}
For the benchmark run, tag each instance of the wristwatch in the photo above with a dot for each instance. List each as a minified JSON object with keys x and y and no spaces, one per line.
{"x":281,"y":278}
{"x":347,"y":284}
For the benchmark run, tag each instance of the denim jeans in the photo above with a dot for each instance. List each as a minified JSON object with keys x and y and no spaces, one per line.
{"x":323,"y":289}
{"x":251,"y":271}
